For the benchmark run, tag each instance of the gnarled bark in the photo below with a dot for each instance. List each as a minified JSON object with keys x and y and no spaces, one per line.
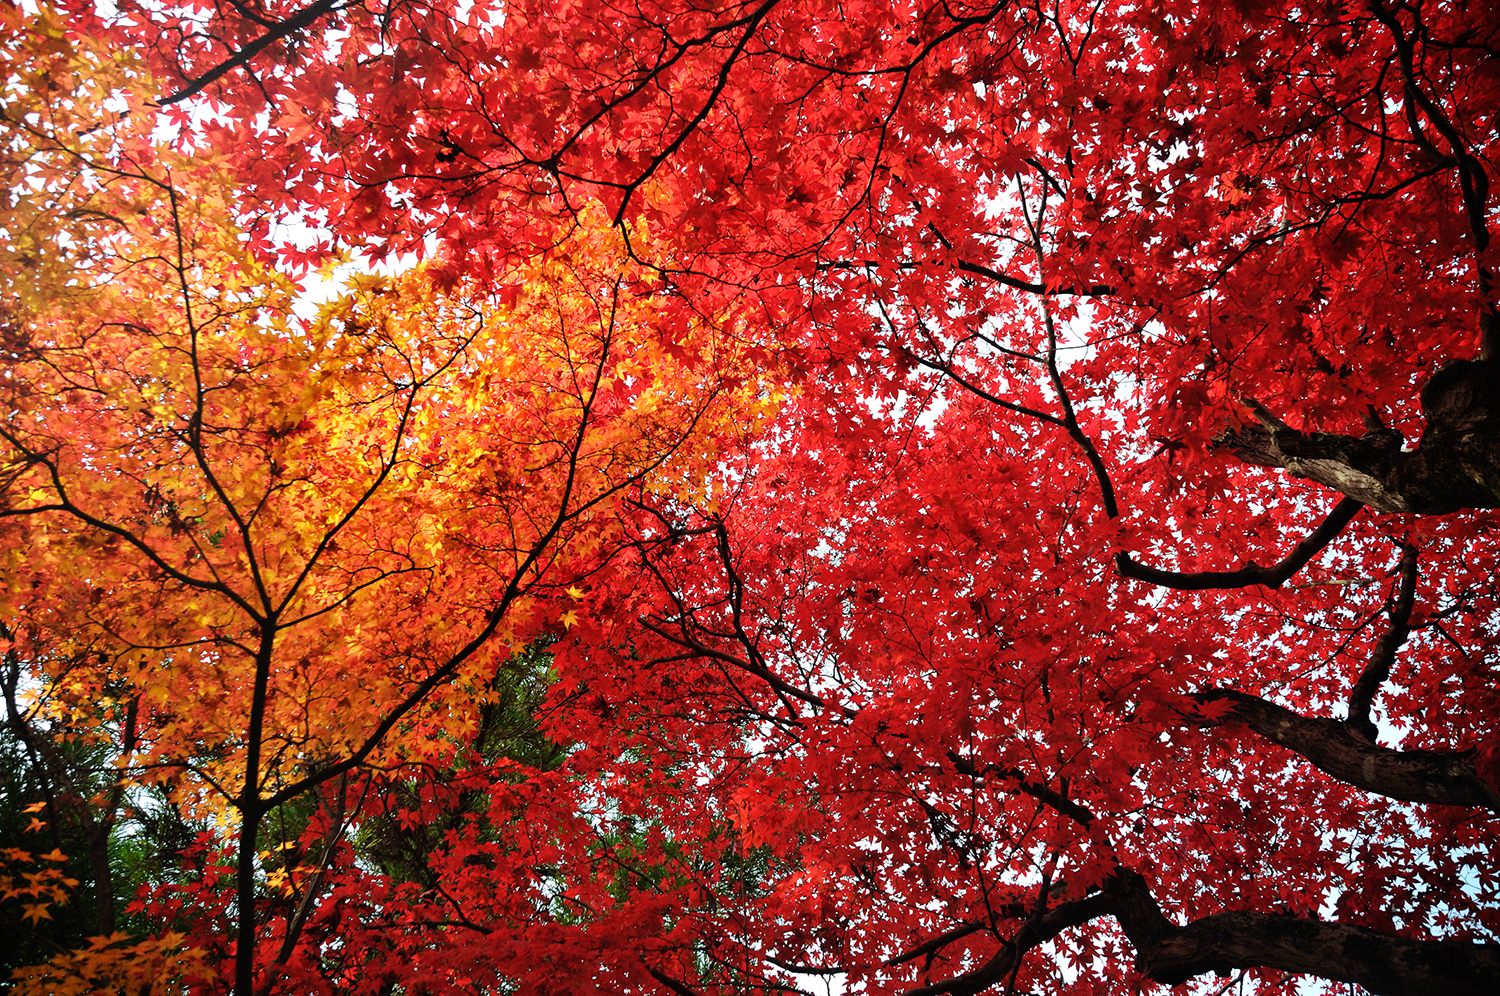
{"x":1382,"y":963}
{"x":1446,"y":778}
{"x":1455,"y":466}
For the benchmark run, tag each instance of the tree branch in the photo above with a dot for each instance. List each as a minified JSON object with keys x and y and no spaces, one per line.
{"x":1382,"y":963}
{"x":935,"y":944}
{"x":1473,"y":182}
{"x":1033,"y":933}
{"x":1040,"y":791}
{"x":302,"y":19}
{"x":681,"y":989}
{"x":1252,"y":573}
{"x":1444,"y":778}
{"x":1455,"y":466}
{"x":1362,"y":696}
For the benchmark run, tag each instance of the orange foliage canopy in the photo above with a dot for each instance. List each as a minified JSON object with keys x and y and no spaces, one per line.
{"x":297,"y":540}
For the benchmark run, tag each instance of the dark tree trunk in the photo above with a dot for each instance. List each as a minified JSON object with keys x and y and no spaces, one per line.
{"x":1455,"y":466}
{"x":1384,"y":964}
{"x":1445,"y":778}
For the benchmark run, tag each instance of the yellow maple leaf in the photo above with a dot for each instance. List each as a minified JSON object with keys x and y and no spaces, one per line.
{"x":569,"y":618}
{"x":573,"y":592}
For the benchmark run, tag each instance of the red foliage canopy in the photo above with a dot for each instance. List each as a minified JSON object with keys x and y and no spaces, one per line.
{"x":964,"y":671}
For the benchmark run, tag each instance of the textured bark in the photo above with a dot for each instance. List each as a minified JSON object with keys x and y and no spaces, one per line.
{"x":1446,"y":778}
{"x":1455,"y":466}
{"x":1384,"y":964}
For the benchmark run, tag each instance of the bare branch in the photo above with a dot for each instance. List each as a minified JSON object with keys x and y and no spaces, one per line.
{"x":1251,"y":574}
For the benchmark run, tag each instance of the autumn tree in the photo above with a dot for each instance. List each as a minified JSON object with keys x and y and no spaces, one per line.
{"x":1111,"y":602}
{"x":272,"y":563}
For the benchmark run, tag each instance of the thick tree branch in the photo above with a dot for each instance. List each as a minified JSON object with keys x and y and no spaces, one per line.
{"x":1456,"y":465}
{"x":1446,"y":778}
{"x":1382,"y":963}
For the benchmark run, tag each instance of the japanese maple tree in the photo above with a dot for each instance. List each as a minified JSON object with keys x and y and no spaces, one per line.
{"x":1110,"y":602}
{"x":276,"y":558}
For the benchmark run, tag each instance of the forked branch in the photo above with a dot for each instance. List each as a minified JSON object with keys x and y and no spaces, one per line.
{"x":304,"y":18}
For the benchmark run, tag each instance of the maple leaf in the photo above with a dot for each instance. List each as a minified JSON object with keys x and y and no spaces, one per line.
{"x":36,"y":912}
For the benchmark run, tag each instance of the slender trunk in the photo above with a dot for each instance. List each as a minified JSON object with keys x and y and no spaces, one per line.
{"x":244,"y":951}
{"x":99,"y":831}
{"x":104,"y":883}
{"x":251,"y":810}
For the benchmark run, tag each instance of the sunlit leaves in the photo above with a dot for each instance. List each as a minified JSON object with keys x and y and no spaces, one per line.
{"x":795,"y":373}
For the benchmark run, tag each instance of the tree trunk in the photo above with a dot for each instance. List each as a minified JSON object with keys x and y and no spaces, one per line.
{"x":1385,"y":964}
{"x":1455,"y":466}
